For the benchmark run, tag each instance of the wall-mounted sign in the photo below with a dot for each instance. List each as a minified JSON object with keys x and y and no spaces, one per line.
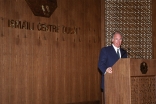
{"x":43,"y":8}
{"x":143,"y":67}
{"x":42,"y":27}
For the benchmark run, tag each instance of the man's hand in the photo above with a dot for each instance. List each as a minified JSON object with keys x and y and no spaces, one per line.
{"x":109,"y":70}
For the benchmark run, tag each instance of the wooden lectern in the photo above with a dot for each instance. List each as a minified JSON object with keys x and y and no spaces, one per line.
{"x":133,"y":81}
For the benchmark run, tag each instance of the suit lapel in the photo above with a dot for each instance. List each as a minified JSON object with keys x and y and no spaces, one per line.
{"x":113,"y":52}
{"x":123,"y":52}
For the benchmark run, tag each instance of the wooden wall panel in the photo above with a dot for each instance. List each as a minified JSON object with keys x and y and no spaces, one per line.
{"x":154,"y":27}
{"x":42,"y":67}
{"x":4,"y":67}
{"x":102,"y":23}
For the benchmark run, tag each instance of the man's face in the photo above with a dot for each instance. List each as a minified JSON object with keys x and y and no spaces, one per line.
{"x":117,"y":40}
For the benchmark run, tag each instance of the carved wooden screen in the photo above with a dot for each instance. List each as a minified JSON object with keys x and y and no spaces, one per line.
{"x":132,"y":18}
{"x":143,"y":90}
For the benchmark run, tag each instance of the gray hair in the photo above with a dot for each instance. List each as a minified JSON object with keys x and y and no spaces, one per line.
{"x":116,"y":32}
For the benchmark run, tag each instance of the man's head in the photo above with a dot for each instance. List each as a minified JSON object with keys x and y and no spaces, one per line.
{"x":117,"y":39}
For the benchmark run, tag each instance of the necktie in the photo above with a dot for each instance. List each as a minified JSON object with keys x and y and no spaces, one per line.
{"x":118,"y":53}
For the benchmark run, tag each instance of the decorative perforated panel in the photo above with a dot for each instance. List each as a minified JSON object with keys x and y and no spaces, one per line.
{"x":133,"y":19}
{"x":143,"y":90}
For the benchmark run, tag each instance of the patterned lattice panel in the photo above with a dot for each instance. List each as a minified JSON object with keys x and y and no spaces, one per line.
{"x":143,"y":90}
{"x":133,"y":19}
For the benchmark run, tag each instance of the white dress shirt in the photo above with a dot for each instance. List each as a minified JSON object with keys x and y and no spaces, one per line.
{"x":116,"y":50}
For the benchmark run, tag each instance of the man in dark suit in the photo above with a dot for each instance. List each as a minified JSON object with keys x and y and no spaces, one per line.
{"x":109,"y":55}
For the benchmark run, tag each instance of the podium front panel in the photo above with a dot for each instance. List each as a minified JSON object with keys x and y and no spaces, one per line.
{"x":129,"y":85}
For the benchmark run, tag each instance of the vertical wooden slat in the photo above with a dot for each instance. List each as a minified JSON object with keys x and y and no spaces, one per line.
{"x":28,"y":66}
{"x":102,"y":37}
{"x":154,"y":28}
{"x":55,"y":55}
{"x":4,"y":64}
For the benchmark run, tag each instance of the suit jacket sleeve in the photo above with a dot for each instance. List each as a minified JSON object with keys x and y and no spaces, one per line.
{"x":102,"y":63}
